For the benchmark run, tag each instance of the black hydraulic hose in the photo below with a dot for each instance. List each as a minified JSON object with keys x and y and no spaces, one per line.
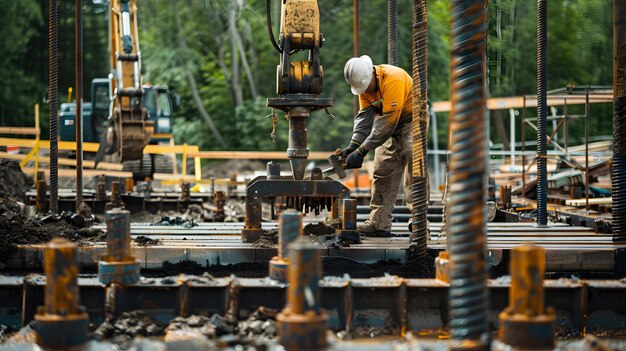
{"x":419,"y":180}
{"x":270,"y":31}
{"x":467,"y":247}
{"x":53,"y":80}
{"x":619,"y":123}
{"x":542,"y":111}
{"x":392,"y":32}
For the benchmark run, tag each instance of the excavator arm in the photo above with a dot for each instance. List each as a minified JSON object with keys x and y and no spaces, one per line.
{"x":129,"y":129}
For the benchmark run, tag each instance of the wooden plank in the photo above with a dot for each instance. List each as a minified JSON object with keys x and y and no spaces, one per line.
{"x":70,"y":173}
{"x":261,"y":155}
{"x":593,"y":201}
{"x":20,"y":130}
{"x":93,"y":147}
{"x":87,"y":164}
{"x":506,"y":103}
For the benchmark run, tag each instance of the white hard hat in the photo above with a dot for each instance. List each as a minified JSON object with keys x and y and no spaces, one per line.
{"x":358,"y":73}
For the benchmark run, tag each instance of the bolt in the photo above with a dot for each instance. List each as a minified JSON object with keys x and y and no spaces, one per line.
{"x":302,"y":323}
{"x":524,"y":323}
{"x":61,"y":322}
{"x":118,"y":266}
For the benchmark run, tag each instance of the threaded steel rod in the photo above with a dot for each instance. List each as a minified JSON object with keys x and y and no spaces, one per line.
{"x":79,"y":103}
{"x":619,"y":122}
{"x":468,"y":300}
{"x":542,"y":111}
{"x":53,"y":80}
{"x":419,"y":186}
{"x":392,"y":32}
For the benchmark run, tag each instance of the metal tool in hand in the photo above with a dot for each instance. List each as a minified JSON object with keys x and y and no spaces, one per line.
{"x":337,"y":166}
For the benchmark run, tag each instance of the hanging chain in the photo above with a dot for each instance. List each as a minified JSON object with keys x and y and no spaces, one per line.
{"x":274,"y":117}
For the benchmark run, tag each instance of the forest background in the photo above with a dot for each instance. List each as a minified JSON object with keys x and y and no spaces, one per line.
{"x":217,"y":56}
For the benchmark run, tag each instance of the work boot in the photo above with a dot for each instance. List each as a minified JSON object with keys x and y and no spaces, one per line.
{"x":369,"y":229}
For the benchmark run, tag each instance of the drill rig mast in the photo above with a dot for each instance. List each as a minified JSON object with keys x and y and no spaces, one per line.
{"x":299,"y":85}
{"x":128,"y":130}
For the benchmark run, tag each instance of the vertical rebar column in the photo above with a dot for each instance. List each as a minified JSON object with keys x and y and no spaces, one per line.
{"x":79,"y":103}
{"x":542,"y":111}
{"x":419,"y":184}
{"x":619,"y":121}
{"x":392,"y":32}
{"x":468,"y":298}
{"x":53,"y":80}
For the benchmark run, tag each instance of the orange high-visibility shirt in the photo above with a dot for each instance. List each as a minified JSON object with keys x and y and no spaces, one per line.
{"x":392,"y":99}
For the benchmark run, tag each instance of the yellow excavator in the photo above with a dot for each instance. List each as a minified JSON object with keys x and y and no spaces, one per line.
{"x":129,"y":128}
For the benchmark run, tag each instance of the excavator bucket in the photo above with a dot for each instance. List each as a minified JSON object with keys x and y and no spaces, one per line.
{"x":135,"y":136}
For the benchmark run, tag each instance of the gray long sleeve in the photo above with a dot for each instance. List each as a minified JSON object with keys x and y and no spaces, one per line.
{"x":363,"y":122}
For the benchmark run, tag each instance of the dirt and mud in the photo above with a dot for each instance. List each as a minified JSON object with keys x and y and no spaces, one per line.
{"x":143,"y":240}
{"x":14,"y":183}
{"x":17,"y":229}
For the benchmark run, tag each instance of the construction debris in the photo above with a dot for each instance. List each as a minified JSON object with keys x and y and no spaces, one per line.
{"x":123,"y":328}
{"x":14,"y":183}
{"x":187,"y":223}
{"x":143,"y":240}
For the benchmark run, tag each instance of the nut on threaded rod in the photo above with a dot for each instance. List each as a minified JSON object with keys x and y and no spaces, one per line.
{"x":118,"y":266}
{"x":524,"y":323}
{"x":302,"y":323}
{"x":289,"y":230}
{"x":61,"y":322}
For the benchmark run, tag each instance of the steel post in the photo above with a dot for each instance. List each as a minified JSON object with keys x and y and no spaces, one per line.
{"x":219,"y":201}
{"x":302,"y":324}
{"x":619,"y":122}
{"x":542,"y":111}
{"x":468,"y":296}
{"x":61,"y":322}
{"x":289,"y":230}
{"x":41,"y":201}
{"x":100,"y":189}
{"x":118,"y":266}
{"x":524,"y":324}
{"x":348,"y":214}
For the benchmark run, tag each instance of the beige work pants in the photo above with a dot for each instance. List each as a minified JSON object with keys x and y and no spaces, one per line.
{"x":391,"y":161}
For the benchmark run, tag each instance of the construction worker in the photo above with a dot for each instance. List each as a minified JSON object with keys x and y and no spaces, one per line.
{"x":383,"y":124}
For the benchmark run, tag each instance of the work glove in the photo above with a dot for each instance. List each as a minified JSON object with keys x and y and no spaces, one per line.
{"x":355,"y":159}
{"x":347,"y":151}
